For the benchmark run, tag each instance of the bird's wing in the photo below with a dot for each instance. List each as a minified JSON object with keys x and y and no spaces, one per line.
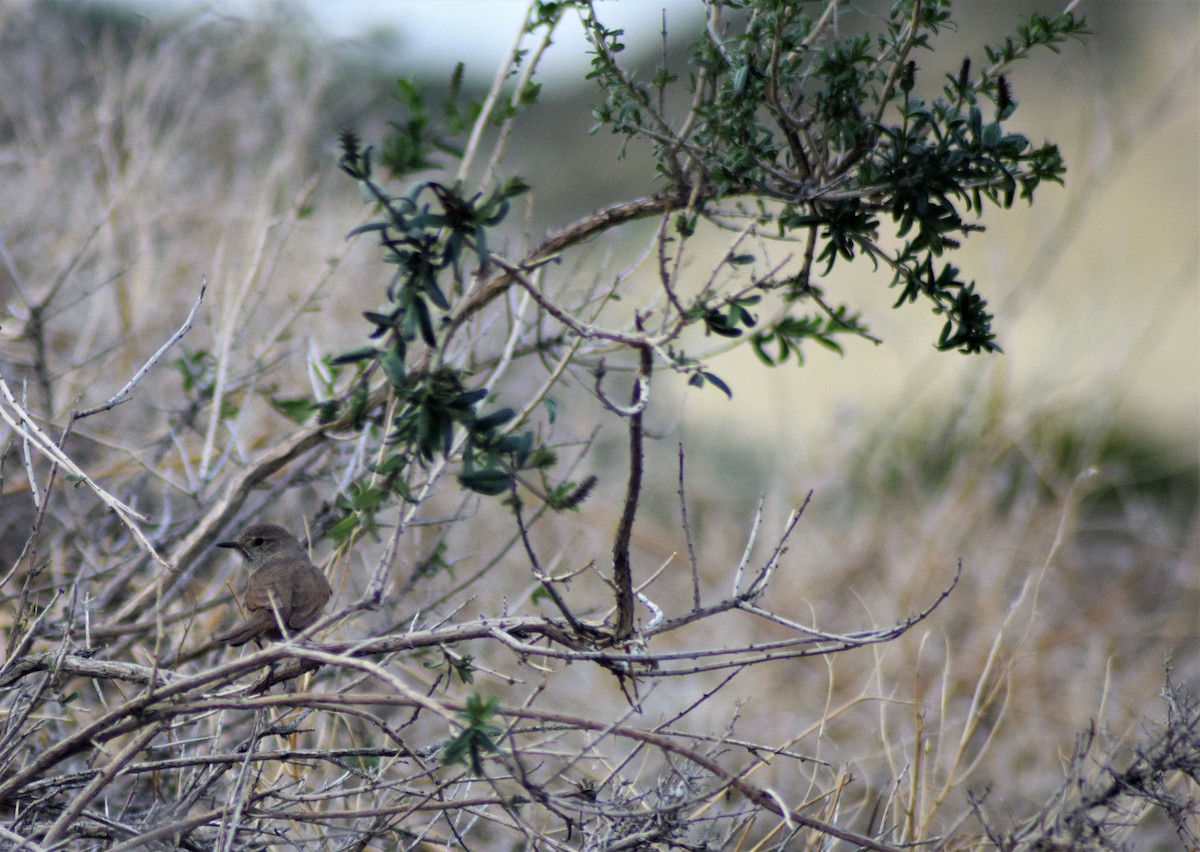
{"x":265,"y":594}
{"x":316,"y":595}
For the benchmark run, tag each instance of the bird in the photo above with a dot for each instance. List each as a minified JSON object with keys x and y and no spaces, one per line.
{"x":284,"y":586}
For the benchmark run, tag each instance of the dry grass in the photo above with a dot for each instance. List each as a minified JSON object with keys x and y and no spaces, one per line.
{"x":136,"y":166}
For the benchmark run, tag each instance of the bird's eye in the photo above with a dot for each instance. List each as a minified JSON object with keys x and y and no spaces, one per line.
{"x":257,"y":542}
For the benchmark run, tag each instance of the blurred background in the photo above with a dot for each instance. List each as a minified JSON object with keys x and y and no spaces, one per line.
{"x":1097,"y":284}
{"x":145,"y":145}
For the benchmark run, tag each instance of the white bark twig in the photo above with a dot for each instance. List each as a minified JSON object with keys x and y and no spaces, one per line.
{"x":123,"y":394}
{"x":745,"y":560}
{"x":23,"y":423}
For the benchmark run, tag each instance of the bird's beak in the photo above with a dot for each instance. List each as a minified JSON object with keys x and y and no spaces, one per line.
{"x":236,"y":545}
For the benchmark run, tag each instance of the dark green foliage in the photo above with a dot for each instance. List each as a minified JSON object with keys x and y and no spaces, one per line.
{"x":728,"y":320}
{"x":198,"y":380}
{"x":832,"y":128}
{"x":821,"y":136}
{"x":787,"y":335}
{"x":412,"y":144}
{"x":456,"y":667}
{"x":477,"y":738}
{"x":570,"y":495}
{"x":428,"y":235}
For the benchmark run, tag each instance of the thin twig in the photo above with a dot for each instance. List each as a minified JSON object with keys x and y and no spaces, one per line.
{"x":547,"y":582}
{"x":687,"y":535}
{"x":123,"y":394}
{"x":22,"y":422}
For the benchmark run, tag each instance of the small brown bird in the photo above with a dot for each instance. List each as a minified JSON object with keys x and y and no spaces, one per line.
{"x":282,"y":580}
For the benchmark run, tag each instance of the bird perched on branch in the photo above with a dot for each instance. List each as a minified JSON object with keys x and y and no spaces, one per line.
{"x":284,"y":586}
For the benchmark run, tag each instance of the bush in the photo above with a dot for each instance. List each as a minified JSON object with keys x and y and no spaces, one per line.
{"x":506,"y":661}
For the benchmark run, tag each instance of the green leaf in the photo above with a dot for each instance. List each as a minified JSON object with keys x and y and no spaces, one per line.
{"x":435,"y":294}
{"x":489,"y":481}
{"x":296,"y":409}
{"x":357,"y":405}
{"x":424,"y":321}
{"x":463,"y":668}
{"x":393,"y":368}
{"x":701,"y":377}
{"x":341,"y":531}
{"x":491,"y":421}
{"x":468,"y":399}
{"x":513,"y":187}
{"x":367,"y":228}
{"x":327,"y":411}
{"x":477,"y":738}
{"x":382,"y":320}
{"x":361,"y":354}
{"x":389,"y":465}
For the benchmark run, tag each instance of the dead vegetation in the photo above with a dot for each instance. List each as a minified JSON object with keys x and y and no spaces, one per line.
{"x":805,"y":674}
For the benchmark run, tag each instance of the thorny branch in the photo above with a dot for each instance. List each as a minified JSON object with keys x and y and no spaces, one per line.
{"x":622,"y":568}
